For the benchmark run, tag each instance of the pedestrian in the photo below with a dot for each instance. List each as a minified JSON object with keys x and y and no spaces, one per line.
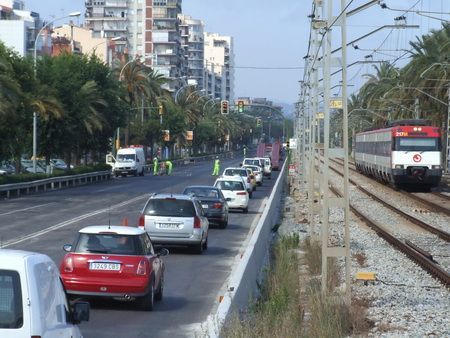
{"x":155,"y":166}
{"x":169,"y":167}
{"x":216,"y":167}
{"x":245,"y":151}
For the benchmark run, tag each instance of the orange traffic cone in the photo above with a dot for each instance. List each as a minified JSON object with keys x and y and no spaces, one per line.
{"x":125,"y":222}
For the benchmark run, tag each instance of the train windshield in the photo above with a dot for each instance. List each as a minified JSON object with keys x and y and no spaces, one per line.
{"x":417,"y":144}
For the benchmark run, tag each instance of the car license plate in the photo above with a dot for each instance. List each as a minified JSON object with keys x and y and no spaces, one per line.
{"x":104,"y":266}
{"x":205,"y":206}
{"x":168,"y":226}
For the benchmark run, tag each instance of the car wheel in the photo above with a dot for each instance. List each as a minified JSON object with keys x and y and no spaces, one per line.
{"x":142,"y":172}
{"x":245,"y":210}
{"x":147,"y":301}
{"x":117,"y":175}
{"x":159,"y":293}
{"x":205,"y":245}
{"x":223,"y":224}
{"x":250,"y":194}
{"x":198,"y":248}
{"x":123,"y":175}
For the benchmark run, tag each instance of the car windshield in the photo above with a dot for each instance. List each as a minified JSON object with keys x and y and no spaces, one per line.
{"x":202,"y":192}
{"x":235,"y":172}
{"x":58,"y":161}
{"x":11,"y":311}
{"x":254,"y":168}
{"x":170,"y":207}
{"x":108,"y":243}
{"x":126,"y":157}
{"x":230,"y":185}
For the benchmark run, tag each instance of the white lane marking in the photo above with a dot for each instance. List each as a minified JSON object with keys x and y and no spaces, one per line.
{"x":25,"y":209}
{"x":68,"y":222}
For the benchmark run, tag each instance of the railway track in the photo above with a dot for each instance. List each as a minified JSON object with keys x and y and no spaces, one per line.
{"x":422,"y":200}
{"x":438,"y":232}
{"x":421,"y":257}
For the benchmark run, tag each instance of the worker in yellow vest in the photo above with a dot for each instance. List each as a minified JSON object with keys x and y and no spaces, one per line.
{"x":169,"y":167}
{"x":216,"y":168}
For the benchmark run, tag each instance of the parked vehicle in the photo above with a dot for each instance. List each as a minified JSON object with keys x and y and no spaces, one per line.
{"x":175,"y":219}
{"x":28,"y":167}
{"x":234,"y":191}
{"x":213,"y":203}
{"x":242,"y":172}
{"x":114,"y":261}
{"x":128,"y":161}
{"x":32,"y":299}
{"x":58,"y":163}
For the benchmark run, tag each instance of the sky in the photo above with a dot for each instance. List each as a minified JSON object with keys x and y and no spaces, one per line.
{"x":275,"y":34}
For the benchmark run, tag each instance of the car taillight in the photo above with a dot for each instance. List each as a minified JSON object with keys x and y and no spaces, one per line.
{"x":141,"y":221}
{"x":36,"y":336}
{"x":142,"y":268}
{"x":242,"y":193}
{"x":217,"y":206}
{"x":68,"y":264}
{"x":197,"y":222}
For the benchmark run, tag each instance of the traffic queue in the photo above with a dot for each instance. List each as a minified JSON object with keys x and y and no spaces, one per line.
{"x":123,"y":262}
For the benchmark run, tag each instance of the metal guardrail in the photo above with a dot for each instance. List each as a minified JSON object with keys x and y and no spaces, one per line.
{"x":52,"y":183}
{"x":242,"y":284}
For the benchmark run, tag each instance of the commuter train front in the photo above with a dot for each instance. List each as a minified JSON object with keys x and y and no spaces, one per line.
{"x":407,"y":152}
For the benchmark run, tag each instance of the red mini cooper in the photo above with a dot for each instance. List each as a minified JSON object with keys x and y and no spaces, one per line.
{"x":116,"y":262}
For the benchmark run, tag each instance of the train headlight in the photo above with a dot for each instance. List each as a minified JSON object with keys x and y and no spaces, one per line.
{"x":437,"y":166}
{"x":399,"y":166}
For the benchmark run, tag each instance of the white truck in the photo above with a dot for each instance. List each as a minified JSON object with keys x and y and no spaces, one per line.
{"x":128,"y":161}
{"x":33,"y":302}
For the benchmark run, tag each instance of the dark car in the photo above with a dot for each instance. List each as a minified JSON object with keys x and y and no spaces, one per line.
{"x":213,"y":203}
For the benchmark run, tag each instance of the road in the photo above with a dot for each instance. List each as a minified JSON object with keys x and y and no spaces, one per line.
{"x":45,"y":222}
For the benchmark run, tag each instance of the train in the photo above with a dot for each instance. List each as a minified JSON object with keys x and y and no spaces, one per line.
{"x":404,"y":153}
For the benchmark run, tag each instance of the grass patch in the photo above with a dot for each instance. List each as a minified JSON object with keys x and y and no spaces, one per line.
{"x":291,"y":306}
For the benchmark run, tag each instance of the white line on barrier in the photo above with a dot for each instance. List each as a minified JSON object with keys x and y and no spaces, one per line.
{"x":68,"y":222}
{"x":25,"y":209}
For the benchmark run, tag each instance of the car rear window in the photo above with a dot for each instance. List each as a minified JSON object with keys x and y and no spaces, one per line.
{"x":252,"y":162}
{"x":230,"y":185}
{"x":236,"y":172}
{"x":11,"y":311}
{"x":202,"y":192}
{"x":109,"y":243}
{"x":170,"y":207}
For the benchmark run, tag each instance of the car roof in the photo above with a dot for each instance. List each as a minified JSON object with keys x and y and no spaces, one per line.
{"x":234,"y":168}
{"x":172,"y":196}
{"x":201,"y":187}
{"x":116,"y":229}
{"x":230,"y":178}
{"x":11,"y":254}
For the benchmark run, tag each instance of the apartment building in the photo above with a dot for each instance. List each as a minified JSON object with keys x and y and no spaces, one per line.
{"x":192,"y":42}
{"x":19,"y":27}
{"x":149,"y":28}
{"x":219,"y":66}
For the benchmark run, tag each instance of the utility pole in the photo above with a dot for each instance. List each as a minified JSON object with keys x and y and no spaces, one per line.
{"x":416,"y":108}
{"x":447,"y":135}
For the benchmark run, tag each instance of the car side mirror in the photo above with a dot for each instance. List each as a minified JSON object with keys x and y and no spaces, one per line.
{"x":67,"y":247}
{"x":80,"y":312}
{"x":228,"y":199}
{"x":162,"y":252}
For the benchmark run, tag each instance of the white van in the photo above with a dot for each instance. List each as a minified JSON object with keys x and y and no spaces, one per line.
{"x":128,"y":161}
{"x":32,"y":299}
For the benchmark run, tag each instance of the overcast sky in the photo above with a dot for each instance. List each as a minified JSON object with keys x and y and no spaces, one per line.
{"x":275,"y":33}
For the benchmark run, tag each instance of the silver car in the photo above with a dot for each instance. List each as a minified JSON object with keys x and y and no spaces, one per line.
{"x":175,"y":219}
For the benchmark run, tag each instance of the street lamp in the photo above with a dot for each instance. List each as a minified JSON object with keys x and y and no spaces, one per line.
{"x":73,"y":14}
{"x":179,"y":90}
{"x":116,"y":38}
{"x":212,"y":99}
{"x":194,"y":92}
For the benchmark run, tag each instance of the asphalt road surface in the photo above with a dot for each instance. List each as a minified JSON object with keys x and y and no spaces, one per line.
{"x":45,"y":222}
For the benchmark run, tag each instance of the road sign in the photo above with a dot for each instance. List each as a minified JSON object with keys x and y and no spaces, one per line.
{"x":320,"y":116}
{"x":292,"y":169}
{"x":336,"y":103}
{"x":292,"y":143}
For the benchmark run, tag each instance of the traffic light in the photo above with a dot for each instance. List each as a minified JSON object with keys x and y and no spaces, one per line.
{"x":287,"y":144}
{"x":258,"y":122}
{"x":240,"y":106}
{"x":224,"y":107}
{"x":160,"y":109}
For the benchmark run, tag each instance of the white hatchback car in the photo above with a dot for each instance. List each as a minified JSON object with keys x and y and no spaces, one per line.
{"x":257,"y":171}
{"x":175,"y":219}
{"x":240,"y":172}
{"x":234,"y":191}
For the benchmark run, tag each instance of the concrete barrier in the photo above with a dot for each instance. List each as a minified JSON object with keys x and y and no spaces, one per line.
{"x":242,"y":284}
